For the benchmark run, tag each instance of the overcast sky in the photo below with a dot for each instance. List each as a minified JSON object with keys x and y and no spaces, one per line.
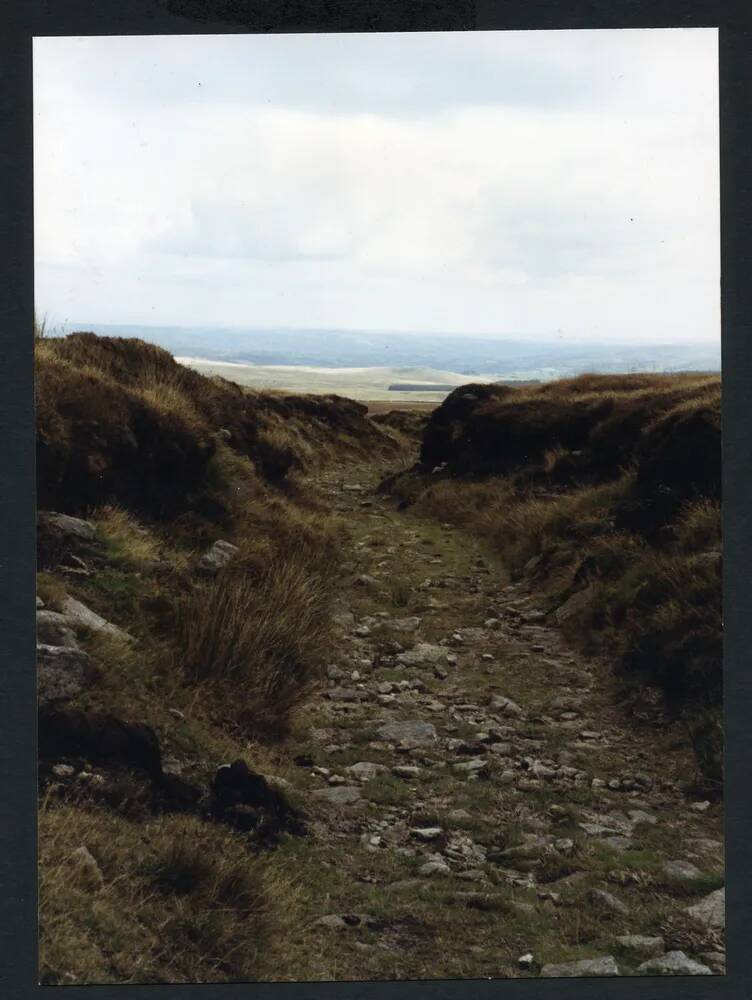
{"x":537,"y":183}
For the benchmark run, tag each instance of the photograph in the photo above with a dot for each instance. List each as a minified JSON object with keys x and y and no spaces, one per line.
{"x":377,"y":386}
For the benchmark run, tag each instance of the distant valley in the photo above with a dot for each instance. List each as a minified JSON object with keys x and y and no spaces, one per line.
{"x":437,"y":359}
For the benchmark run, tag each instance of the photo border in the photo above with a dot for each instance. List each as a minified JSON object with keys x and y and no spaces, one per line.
{"x":27,"y":18}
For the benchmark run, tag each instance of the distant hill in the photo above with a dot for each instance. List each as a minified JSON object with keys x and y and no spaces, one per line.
{"x":509,"y":356}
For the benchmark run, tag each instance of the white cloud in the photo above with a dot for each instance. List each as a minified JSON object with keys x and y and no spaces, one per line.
{"x":565,"y":180}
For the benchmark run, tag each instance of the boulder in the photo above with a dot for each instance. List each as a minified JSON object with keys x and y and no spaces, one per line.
{"x":65,"y":526}
{"x":341,"y":795}
{"x":364,"y":770}
{"x":408,"y":734}
{"x":640,"y":946}
{"x":682,"y":870}
{"x":87,"y":865}
{"x":79,"y":616}
{"x":62,"y":673}
{"x":402,"y":624}
{"x":216,"y":557}
{"x":572,"y":606}
{"x":711,"y":910}
{"x":53,"y":630}
{"x":604,"y":966}
{"x":424,"y":654}
{"x":505,"y":706}
{"x":673,"y":963}
{"x":345,"y":694}
{"x":606,"y":902}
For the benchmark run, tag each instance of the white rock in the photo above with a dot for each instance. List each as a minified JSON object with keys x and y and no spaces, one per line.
{"x":639,"y":946}
{"x":364,"y":770}
{"x":424,"y":654}
{"x":681,"y":870}
{"x":343,"y":795}
{"x":79,"y":616}
{"x":711,"y":910}
{"x":64,"y":524}
{"x":426,"y":833}
{"x":505,"y":705}
{"x":605,"y":966}
{"x":216,"y":557}
{"x":53,"y":629}
{"x":83,"y":859}
{"x":408,"y":733}
{"x":673,"y":963}
{"x":434,"y":868}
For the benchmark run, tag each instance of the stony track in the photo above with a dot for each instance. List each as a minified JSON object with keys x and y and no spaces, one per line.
{"x":483,"y":807}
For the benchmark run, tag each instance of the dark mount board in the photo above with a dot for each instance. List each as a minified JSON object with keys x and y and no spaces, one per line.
{"x":19,"y":22}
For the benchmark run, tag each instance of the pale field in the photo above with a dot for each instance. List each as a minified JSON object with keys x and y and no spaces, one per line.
{"x":364,"y":384}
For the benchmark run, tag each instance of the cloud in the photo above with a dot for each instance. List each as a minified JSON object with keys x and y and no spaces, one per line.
{"x":488,"y":182}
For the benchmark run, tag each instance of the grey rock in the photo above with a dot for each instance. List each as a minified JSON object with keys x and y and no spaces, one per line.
{"x":216,"y":557}
{"x":711,"y":910}
{"x":564,"y":845}
{"x":342,"y":795}
{"x":572,"y":606}
{"x":639,"y":946}
{"x":700,"y":807}
{"x":53,"y":630}
{"x":505,"y":706}
{"x":638,"y":816}
{"x":408,"y":734}
{"x":673,"y":963}
{"x":474,"y":766}
{"x":62,"y":673}
{"x":364,"y":770}
{"x":79,"y":616}
{"x":605,"y":901}
{"x":684,"y":870}
{"x":84,"y":860}
{"x":403,"y":624}
{"x":40,"y":603}
{"x":618,"y":843}
{"x":407,"y":771}
{"x":67,"y":526}
{"x":434,"y":868}
{"x":345,"y":694}
{"x":332,"y":922}
{"x":426,"y":833}
{"x":604,"y":966}
{"x":424,"y":654}
{"x":63,"y":771}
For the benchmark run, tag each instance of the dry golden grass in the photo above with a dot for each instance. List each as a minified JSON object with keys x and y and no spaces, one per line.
{"x":133,"y":541}
{"x":258,"y":640}
{"x":178,"y":900}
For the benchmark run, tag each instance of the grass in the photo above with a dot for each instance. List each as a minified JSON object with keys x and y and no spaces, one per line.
{"x":261,"y":639}
{"x":206,"y":909}
{"x":607,"y":487}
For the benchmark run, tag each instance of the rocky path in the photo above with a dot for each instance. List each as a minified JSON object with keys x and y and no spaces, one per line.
{"x":482,"y":807}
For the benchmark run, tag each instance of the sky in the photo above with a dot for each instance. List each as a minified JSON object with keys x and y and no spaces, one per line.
{"x":534,"y":184}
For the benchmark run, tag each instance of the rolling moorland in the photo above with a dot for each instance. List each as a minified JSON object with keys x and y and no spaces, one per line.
{"x":331,"y":692}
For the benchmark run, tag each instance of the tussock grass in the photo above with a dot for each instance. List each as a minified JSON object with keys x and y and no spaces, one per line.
{"x":129,"y":540}
{"x":179,"y":901}
{"x":261,"y":637}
